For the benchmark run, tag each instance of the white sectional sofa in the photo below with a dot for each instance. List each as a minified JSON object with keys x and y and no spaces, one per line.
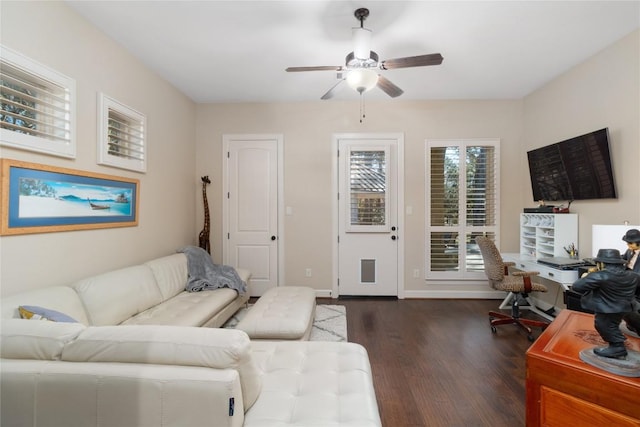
{"x":150,"y":293}
{"x":138,"y":355}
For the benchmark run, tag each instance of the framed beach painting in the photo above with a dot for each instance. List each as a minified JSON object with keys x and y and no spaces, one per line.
{"x":41,"y":199}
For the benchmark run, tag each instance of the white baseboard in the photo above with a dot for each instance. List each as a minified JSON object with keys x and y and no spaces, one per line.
{"x":323,"y":293}
{"x":450,"y":294}
{"x":454,"y":294}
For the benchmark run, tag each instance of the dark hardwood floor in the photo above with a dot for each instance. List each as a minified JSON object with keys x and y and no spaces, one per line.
{"x":436,"y":362}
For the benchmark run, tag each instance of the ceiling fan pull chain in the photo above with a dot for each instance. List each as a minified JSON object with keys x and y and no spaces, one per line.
{"x":362,"y":116}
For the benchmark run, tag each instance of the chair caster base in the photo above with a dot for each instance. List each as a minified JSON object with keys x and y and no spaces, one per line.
{"x":496,"y":318}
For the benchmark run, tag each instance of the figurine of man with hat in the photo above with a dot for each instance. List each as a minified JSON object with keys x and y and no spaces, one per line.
{"x":610,"y":294}
{"x":632,"y":237}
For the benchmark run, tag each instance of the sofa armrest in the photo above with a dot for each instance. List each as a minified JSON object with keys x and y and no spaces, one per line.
{"x":170,"y":345}
{"x":56,"y":393}
{"x":36,"y":339}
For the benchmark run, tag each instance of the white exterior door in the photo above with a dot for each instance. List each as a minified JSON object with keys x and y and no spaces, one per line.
{"x":368,"y":228}
{"x":252,"y":200}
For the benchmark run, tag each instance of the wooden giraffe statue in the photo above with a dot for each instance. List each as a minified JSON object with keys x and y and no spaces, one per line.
{"x":203,"y":238}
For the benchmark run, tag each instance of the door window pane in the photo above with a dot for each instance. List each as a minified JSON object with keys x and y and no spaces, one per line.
{"x":368,"y":188}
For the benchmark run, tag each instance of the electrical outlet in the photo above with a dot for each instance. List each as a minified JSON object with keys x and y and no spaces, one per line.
{"x":416,"y":273}
{"x":307,"y":272}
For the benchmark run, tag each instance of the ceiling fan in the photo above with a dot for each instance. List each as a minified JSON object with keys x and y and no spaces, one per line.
{"x":360,"y":64}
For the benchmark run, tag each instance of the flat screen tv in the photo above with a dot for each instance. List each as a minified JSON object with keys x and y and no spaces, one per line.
{"x":576,"y":169}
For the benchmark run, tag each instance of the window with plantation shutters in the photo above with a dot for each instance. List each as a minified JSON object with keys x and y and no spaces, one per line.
{"x":37,"y":106}
{"x":462,"y":183}
{"x":121,"y":141}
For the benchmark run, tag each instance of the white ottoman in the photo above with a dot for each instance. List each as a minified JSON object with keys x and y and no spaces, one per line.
{"x":282,"y":313}
{"x":313,"y":383}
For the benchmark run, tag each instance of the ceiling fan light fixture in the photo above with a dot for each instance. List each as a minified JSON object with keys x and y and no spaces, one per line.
{"x":362,"y":80}
{"x":359,"y":65}
{"x":361,"y":42}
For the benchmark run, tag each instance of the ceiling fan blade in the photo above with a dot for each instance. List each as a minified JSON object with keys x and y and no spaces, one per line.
{"x":412,"y":61}
{"x":331,"y":92}
{"x":388,"y":87}
{"x":319,"y":68}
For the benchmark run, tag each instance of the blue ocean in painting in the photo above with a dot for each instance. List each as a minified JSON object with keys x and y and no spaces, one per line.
{"x":114,"y":207}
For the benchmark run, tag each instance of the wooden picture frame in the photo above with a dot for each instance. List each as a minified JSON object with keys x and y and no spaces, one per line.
{"x":39,"y":198}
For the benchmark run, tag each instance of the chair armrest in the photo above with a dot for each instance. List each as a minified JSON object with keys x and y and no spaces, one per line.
{"x":525,"y":273}
{"x":508,"y":263}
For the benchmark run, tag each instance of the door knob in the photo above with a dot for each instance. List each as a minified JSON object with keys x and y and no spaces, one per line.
{"x":273,"y":237}
{"x":393,"y":237}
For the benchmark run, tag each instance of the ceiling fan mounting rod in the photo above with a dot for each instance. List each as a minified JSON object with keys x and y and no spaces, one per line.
{"x":361,"y":14}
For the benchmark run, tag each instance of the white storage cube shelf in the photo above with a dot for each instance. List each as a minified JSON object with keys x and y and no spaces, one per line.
{"x":546,"y":235}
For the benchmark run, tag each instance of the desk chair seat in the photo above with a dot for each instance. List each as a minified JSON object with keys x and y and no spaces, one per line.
{"x":518,"y":284}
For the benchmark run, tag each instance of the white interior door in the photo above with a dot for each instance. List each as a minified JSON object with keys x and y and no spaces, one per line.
{"x":252,"y":222}
{"x":368,"y":229}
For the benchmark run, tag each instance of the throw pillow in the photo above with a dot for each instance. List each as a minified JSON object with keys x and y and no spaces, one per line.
{"x":40,"y":313}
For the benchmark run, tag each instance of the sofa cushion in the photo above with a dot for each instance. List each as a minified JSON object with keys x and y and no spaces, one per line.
{"x":170,"y":345}
{"x":113,"y":297}
{"x":60,"y":298}
{"x":31,"y":339}
{"x":186,"y":309}
{"x":313,"y":383}
{"x":171,"y":274}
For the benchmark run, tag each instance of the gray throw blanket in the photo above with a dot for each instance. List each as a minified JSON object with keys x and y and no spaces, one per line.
{"x":204,"y":274}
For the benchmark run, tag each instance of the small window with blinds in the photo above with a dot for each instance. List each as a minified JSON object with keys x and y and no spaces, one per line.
{"x":368,"y":190}
{"x":38,"y":106}
{"x":122,"y":141}
{"x":462,"y":203}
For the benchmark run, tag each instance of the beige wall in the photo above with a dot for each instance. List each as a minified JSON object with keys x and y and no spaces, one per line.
{"x":604,"y":91}
{"x":62,"y":40}
{"x":308,"y":129}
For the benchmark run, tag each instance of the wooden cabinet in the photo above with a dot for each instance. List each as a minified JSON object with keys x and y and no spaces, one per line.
{"x":562,"y":390}
{"x":546,"y":235}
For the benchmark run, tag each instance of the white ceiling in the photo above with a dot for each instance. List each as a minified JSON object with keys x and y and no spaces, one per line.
{"x":237,"y":51}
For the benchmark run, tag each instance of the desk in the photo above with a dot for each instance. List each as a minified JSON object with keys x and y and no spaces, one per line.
{"x":565,"y":278}
{"x":563,"y":391}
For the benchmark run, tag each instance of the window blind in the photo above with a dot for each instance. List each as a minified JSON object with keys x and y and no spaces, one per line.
{"x":36,"y":106}
{"x":122,"y":141}
{"x":463,"y":202}
{"x":125,"y":136}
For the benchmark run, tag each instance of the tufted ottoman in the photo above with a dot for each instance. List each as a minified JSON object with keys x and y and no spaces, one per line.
{"x":282,"y":313}
{"x":313,"y":383}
